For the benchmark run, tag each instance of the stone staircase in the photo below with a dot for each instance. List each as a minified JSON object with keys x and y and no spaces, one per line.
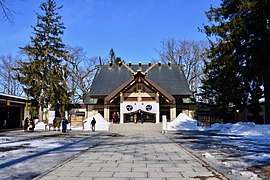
{"x":136,"y":127}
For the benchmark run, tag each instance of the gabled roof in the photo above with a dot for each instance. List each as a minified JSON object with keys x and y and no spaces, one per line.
{"x":171,"y":78}
{"x":132,"y":80}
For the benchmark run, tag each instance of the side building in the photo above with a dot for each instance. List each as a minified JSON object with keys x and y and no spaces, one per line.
{"x":13,"y":109}
{"x":130,"y":90}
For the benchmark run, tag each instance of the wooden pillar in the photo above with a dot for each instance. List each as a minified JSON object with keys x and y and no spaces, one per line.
{"x":121,"y":113}
{"x":172,"y":112}
{"x":107,"y":112}
{"x":158,"y":111}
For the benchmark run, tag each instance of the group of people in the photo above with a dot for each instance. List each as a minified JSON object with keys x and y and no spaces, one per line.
{"x":139,"y":117}
{"x":29,"y":125}
{"x":115,"y":117}
{"x":57,"y":122}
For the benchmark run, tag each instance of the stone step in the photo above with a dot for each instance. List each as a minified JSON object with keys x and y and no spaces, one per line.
{"x":136,"y":127}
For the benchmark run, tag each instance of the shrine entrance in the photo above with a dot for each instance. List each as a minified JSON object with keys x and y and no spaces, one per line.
{"x":135,"y":117}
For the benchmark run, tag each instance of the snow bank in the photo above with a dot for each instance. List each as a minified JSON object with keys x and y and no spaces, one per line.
{"x":241,"y":128}
{"x":183,"y":122}
{"x":101,"y":125}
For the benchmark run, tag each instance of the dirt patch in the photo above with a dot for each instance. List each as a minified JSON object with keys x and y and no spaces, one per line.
{"x":56,"y":135}
{"x":12,"y":148}
{"x":116,"y":135}
{"x":262,"y":171}
{"x":65,"y":135}
{"x":111,"y":135}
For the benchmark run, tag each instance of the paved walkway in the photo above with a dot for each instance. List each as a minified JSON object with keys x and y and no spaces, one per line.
{"x":130,"y":154}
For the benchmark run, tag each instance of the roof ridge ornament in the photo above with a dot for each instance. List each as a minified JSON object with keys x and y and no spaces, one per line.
{"x":128,"y":67}
{"x":147,"y":70}
{"x":139,"y":71}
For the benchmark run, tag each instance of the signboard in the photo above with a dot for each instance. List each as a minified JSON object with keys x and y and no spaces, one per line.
{"x":80,"y":113}
{"x":164,"y":124}
{"x":51,"y":115}
{"x":130,"y":107}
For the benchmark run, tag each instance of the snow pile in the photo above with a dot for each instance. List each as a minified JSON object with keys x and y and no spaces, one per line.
{"x":40,"y":125}
{"x":208,"y":156}
{"x":244,"y":174}
{"x":220,"y":127}
{"x":101,"y":125}
{"x":183,"y":122}
{"x":242,"y":128}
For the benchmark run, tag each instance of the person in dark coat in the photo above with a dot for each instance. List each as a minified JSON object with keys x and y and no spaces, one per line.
{"x":32,"y":125}
{"x":93,"y":124}
{"x":64,"y":124}
{"x":141,"y":117}
{"x":26,"y":124}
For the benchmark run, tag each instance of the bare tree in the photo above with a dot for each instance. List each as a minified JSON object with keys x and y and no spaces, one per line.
{"x":190,"y":54}
{"x":169,"y":51}
{"x":6,"y":12}
{"x":8,"y":83}
{"x":82,"y":72}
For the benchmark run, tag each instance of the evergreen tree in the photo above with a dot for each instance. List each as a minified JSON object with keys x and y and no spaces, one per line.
{"x":44,"y":75}
{"x":240,"y":52}
{"x":117,"y":60}
{"x":111,"y":55}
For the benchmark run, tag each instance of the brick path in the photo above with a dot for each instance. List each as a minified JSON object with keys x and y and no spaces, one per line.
{"x":134,"y":154}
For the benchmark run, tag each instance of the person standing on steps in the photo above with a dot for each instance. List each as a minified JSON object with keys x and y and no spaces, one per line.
{"x":141,"y":117}
{"x":135,"y":118}
{"x":114,"y":117}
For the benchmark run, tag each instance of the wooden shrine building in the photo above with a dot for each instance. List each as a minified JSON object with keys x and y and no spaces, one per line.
{"x":128,"y":90}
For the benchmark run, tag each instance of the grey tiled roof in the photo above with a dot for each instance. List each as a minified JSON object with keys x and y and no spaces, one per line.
{"x":171,"y":78}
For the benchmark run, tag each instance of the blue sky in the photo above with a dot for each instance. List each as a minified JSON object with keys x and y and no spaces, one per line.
{"x":133,"y":28}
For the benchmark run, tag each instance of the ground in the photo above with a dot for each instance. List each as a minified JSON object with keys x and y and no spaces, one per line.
{"x":25,"y":155}
{"x":238,"y":157}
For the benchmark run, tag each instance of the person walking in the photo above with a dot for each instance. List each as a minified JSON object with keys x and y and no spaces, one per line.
{"x":135,"y":118}
{"x":93,"y":124}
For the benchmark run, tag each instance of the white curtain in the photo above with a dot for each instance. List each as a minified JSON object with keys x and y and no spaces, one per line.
{"x":131,"y":107}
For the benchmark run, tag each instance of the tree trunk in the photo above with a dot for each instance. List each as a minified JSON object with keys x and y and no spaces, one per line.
{"x":267,"y":98}
{"x":40,"y":113}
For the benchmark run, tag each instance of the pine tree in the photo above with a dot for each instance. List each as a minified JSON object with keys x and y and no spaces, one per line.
{"x":44,"y":75}
{"x":240,"y":50}
{"x":111,"y":56}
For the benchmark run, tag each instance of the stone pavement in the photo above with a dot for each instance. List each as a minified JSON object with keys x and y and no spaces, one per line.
{"x":134,"y":154}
